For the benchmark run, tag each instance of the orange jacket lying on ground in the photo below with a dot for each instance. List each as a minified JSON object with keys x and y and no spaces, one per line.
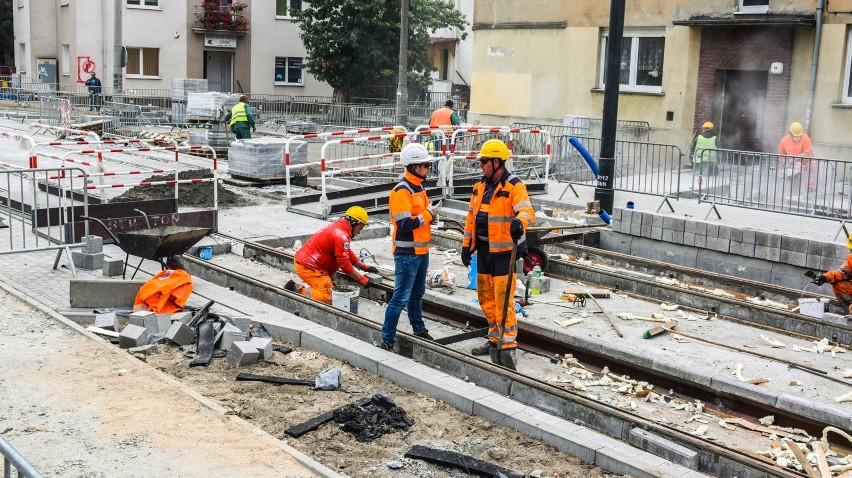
{"x":165,"y":293}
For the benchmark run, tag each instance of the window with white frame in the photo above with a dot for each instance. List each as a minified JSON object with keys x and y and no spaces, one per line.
{"x":143,"y":3}
{"x":753,"y":6}
{"x":642,"y":55}
{"x":143,"y":62}
{"x":65,"y":60}
{"x":847,"y":81}
{"x":288,"y":70}
{"x":285,"y":8}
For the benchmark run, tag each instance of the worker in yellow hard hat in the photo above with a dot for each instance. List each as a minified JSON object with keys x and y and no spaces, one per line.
{"x":840,"y":279}
{"x":325,"y":252}
{"x":704,"y":156}
{"x":802,"y":171}
{"x":500,"y":211}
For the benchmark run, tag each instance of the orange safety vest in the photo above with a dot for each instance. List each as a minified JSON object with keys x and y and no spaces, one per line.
{"x":409,"y":217}
{"x":165,"y":293}
{"x":441,"y":117}
{"x":791,"y":147}
{"x":510,"y":200}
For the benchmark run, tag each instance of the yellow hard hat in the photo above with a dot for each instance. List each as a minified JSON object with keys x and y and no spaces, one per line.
{"x":796,"y":129}
{"x":849,"y":242}
{"x":357,"y":213}
{"x":494,"y":148}
{"x":707,"y":124}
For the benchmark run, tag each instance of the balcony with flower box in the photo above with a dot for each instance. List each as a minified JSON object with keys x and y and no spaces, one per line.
{"x":212,"y":17}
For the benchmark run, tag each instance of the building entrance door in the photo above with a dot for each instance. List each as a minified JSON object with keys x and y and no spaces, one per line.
{"x":219,"y":71}
{"x":739,"y":102}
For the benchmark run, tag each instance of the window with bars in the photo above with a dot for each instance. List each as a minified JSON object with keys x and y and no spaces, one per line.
{"x":143,"y":62}
{"x":642,"y":54}
{"x":847,"y":81}
{"x":285,"y":8}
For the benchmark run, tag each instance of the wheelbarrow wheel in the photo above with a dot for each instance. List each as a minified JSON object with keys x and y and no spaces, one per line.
{"x":535,"y":257}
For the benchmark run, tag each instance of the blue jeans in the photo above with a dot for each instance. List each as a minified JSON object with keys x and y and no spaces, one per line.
{"x":409,"y":287}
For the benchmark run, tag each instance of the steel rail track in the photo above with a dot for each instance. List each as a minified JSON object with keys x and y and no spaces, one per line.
{"x":602,"y":417}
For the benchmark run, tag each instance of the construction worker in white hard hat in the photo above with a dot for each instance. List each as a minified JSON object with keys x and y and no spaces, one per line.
{"x":705,"y":155}
{"x":840,"y":280}
{"x":325,"y":252}
{"x":410,"y":216}
{"x":797,"y":143}
{"x":499,"y":213}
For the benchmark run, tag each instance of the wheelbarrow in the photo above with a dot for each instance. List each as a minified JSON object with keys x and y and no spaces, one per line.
{"x":154,"y":243}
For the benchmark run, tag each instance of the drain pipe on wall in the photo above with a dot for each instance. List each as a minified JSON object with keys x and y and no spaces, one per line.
{"x":812,"y":85}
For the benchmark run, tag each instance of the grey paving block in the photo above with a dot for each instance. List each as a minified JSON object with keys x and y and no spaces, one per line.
{"x":724,"y":232}
{"x":658,"y":221}
{"x":133,"y":336}
{"x":743,"y":389}
{"x":497,"y":408}
{"x":813,"y":262}
{"x":711,"y":242}
{"x":676,"y":369}
{"x":86,"y":261}
{"x":180,"y":334}
{"x":629,"y":460}
{"x":646,"y":230}
{"x":112,"y":266}
{"x":700,"y":241}
{"x":263,"y":346}
{"x":164,"y":322}
{"x":657,"y":233}
{"x":678,"y":224}
{"x":243,"y":323}
{"x":769,"y":253}
{"x":769,"y":239}
{"x":723,"y":245}
{"x":668,"y":223}
{"x":242,"y":353}
{"x":749,"y":236}
{"x":636,"y":228}
{"x":535,"y":398}
{"x":343,"y":347}
{"x":815,"y":410}
{"x":668,"y":235}
{"x":107,"y":321}
{"x":184,"y":317}
{"x":231,"y":334}
{"x":796,"y":244}
{"x":103,"y":293}
{"x":689,"y":226}
{"x":814,"y":248}
{"x":576,"y":440}
{"x":138,"y":318}
{"x":736,"y":234}
{"x":746,"y":249}
{"x":664,"y":448}
{"x":700,"y":227}
{"x":712,"y":230}
{"x":793,"y":258}
{"x":94,"y":245}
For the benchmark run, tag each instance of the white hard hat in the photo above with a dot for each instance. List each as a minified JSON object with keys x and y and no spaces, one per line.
{"x":414,"y":153}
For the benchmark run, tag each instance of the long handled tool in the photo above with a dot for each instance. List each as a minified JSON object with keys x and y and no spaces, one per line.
{"x":559,"y":228}
{"x":497,"y":355}
{"x":589,"y":294}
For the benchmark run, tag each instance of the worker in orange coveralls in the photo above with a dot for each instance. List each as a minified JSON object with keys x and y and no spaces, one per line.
{"x":797,"y":143}
{"x":840,"y":280}
{"x":329,"y":250}
{"x":500,"y":211}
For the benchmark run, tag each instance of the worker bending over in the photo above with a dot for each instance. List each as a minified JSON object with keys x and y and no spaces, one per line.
{"x":329,"y":250}
{"x":499,"y":213}
{"x":840,"y":280}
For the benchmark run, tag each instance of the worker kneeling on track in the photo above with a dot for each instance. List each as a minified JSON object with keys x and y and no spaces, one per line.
{"x":499,"y":213}
{"x":329,"y":250}
{"x":840,"y":280}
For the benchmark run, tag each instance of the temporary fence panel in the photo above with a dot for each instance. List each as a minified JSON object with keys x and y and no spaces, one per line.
{"x":817,"y":187}
{"x":11,"y":458}
{"x":26,"y":227}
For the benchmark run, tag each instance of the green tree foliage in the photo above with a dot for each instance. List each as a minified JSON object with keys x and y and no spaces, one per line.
{"x":7,"y":34}
{"x":352,"y":42}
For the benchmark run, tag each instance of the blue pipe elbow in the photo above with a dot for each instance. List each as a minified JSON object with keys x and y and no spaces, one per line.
{"x":603,"y":215}
{"x":585,"y":154}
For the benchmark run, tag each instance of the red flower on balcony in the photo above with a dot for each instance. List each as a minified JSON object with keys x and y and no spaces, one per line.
{"x":214,"y":16}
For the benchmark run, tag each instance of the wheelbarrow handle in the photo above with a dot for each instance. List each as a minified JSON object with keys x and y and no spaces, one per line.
{"x":147,"y":222}
{"x":88,"y":218}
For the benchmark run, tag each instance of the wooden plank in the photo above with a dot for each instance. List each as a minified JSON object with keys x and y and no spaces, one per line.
{"x":467,"y":463}
{"x":800,"y":455}
{"x":822,"y":463}
{"x":760,"y":428}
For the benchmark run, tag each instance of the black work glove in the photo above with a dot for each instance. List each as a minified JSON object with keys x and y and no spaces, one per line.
{"x":466,"y":254}
{"x":372,"y":270}
{"x":516,"y":229}
{"x":820,"y":279}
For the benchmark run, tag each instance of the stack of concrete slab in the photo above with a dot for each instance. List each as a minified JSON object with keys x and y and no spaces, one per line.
{"x":263,"y":158}
{"x":209,"y":105}
{"x":205,"y":134}
{"x":91,"y":256}
{"x":181,"y":87}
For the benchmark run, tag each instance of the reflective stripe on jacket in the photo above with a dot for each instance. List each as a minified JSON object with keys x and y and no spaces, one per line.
{"x":509,"y":200}
{"x":704,"y":149}
{"x":238,"y":114}
{"x":329,"y":249}
{"x":409,"y":217}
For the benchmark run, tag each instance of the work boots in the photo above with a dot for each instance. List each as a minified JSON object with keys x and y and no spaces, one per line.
{"x":483,"y":350}
{"x":290,"y":285}
{"x":424,"y":334}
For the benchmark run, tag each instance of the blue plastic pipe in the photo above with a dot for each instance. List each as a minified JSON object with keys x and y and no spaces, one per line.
{"x":585,"y":154}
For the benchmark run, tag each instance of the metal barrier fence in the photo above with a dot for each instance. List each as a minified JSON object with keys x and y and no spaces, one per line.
{"x":818,"y":187}
{"x":641,"y":167}
{"x":585,"y":127}
{"x":19,"y":205}
{"x":11,"y":458}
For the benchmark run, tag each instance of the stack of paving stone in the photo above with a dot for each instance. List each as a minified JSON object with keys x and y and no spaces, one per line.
{"x":263,"y":158}
{"x":91,"y":256}
{"x":204,"y":112}
{"x":181,"y":87}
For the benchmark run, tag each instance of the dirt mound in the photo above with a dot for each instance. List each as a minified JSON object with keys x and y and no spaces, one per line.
{"x":189,"y":194}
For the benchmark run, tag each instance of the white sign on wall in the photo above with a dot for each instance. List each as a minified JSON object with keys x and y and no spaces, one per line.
{"x":220,"y":41}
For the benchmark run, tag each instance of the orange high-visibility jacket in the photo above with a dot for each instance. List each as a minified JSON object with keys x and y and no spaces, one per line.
{"x":329,"y":250}
{"x":791,"y":147}
{"x":165,"y":293}
{"x":409,"y":217}
{"x":441,"y":117}
{"x":509,"y":200}
{"x":841,"y":279}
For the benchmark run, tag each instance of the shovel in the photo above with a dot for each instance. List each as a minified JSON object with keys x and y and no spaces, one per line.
{"x":497,"y":355}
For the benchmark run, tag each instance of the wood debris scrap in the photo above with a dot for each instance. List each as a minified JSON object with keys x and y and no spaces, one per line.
{"x":767,"y":303}
{"x":569,"y":322}
{"x":772,"y":343}
{"x":669,"y":307}
{"x":847,"y":373}
{"x":820,"y":347}
{"x":754,"y":381}
{"x":629,"y":316}
{"x":844,"y":398}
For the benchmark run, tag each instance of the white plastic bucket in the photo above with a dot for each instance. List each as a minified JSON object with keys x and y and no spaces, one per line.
{"x":813,"y":307}
{"x":345,"y":297}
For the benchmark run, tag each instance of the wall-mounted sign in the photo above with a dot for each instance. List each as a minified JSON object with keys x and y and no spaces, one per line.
{"x":220,"y":41}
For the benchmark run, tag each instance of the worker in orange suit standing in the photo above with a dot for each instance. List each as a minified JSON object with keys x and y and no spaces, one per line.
{"x":445,"y":116}
{"x":797,"y":143}
{"x":499,"y":213}
{"x":840,"y":280}
{"x":329,"y":250}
